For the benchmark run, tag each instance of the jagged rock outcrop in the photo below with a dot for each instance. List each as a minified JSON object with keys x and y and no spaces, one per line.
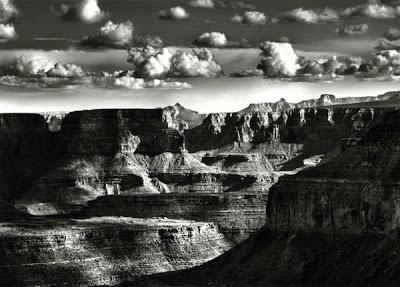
{"x":102,"y":250}
{"x":54,"y":120}
{"x":183,"y":118}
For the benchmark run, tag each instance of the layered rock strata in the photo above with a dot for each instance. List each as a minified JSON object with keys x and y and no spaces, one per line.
{"x":102,"y":250}
{"x":355,"y":191}
{"x":236,"y":214}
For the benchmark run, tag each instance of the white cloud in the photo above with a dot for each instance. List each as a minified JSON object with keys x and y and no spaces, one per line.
{"x":174,"y":13}
{"x":86,"y":11}
{"x":212,"y":39}
{"x":310,"y":16}
{"x":125,"y":79}
{"x":237,"y":19}
{"x":350,"y":30}
{"x":150,"y":62}
{"x":384,"y":62}
{"x":373,"y":9}
{"x":332,"y":65}
{"x":202,"y":4}
{"x":8,"y":11}
{"x":7,"y":32}
{"x":117,"y":35}
{"x":31,"y":65}
{"x":251,"y":17}
{"x":280,"y":59}
{"x":66,"y":71}
{"x":39,"y":66}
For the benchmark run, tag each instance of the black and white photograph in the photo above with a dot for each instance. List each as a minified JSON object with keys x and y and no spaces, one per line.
{"x":199,"y":143}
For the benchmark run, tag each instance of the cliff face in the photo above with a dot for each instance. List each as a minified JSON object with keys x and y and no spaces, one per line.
{"x":107,"y":132}
{"x":102,"y":250}
{"x":355,"y":191}
{"x":317,"y":130}
{"x":26,"y":145}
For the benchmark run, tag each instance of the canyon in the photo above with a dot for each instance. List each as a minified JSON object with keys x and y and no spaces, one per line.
{"x":95,"y":193}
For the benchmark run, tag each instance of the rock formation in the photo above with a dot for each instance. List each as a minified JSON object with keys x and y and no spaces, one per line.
{"x":355,"y":191}
{"x":335,"y":224}
{"x":102,"y":250}
{"x":327,"y":169}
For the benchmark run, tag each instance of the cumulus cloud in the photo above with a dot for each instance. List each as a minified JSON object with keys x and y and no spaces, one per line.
{"x":350,"y":30}
{"x":26,"y":66}
{"x":250,"y":17}
{"x":173,"y":13}
{"x":150,"y":62}
{"x":332,"y":65}
{"x":219,"y":40}
{"x":280,"y":59}
{"x":8,"y":11}
{"x":7,"y":32}
{"x":212,"y":39}
{"x":202,"y":4}
{"x":392,"y":34}
{"x":125,"y":79}
{"x":66,"y":71}
{"x":40,"y":72}
{"x":382,"y":63}
{"x":37,"y":66}
{"x":86,"y":11}
{"x":309,"y":16}
{"x":373,"y":9}
{"x":118,"y":35}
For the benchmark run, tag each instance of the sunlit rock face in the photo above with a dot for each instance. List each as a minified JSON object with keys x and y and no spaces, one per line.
{"x":102,"y":250}
{"x":355,"y":191}
{"x":237,"y":215}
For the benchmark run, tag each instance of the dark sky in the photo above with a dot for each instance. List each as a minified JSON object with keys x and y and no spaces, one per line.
{"x":37,"y":21}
